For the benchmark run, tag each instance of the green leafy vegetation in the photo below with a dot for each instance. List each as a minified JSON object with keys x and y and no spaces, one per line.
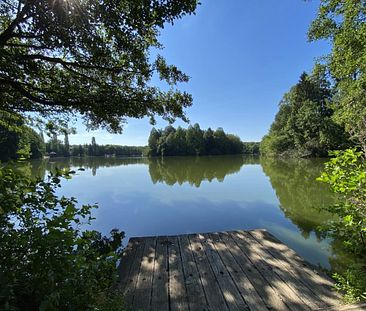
{"x":89,"y":57}
{"x":47,"y":262}
{"x":304,"y":125}
{"x":22,"y":142}
{"x":194,"y":141}
{"x":56,"y":147}
{"x":17,"y":140}
{"x":343,"y":24}
{"x":346,"y":175}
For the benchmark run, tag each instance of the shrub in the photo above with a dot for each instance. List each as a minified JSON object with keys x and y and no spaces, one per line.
{"x":346,"y":175}
{"x":47,"y":262}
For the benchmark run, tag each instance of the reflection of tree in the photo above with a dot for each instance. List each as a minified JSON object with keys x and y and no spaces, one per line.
{"x":194,"y":170}
{"x":299,"y":194}
{"x":169,"y":170}
{"x":92,"y":163}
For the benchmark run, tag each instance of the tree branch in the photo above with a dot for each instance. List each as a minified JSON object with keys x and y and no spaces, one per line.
{"x":8,"y":32}
{"x":75,"y":64}
{"x":31,"y":46}
{"x":18,"y":87}
{"x":82,"y":75}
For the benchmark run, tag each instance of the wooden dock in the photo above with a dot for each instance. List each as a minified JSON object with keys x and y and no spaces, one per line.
{"x":236,"y":270}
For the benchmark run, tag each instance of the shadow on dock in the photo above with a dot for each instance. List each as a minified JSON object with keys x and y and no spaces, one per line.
{"x":235,"y":270}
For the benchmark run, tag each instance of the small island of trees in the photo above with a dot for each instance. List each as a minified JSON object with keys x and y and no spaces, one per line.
{"x":195,"y":141}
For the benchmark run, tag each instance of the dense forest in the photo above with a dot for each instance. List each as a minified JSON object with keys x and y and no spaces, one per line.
{"x":304,"y":125}
{"x":19,"y":141}
{"x":195,"y":141}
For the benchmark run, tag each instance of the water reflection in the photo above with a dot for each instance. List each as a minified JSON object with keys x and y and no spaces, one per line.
{"x":199,"y":194}
{"x":300,"y":195}
{"x":293,"y":180}
{"x":194,"y":170}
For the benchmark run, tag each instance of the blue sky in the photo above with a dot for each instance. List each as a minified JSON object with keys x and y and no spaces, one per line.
{"x":242,"y":56}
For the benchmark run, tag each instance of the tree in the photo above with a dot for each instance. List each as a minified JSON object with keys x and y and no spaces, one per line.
{"x":209,"y":141}
{"x":89,"y":57}
{"x":153,"y":142}
{"x":18,"y":140}
{"x":195,"y":142}
{"x":343,"y":23}
{"x":93,"y":147}
{"x":303,"y":125}
{"x":67,"y":145}
{"x":36,"y":143}
{"x":180,"y":141}
{"x":9,"y":135}
{"x":221,"y":142}
{"x":55,"y":145}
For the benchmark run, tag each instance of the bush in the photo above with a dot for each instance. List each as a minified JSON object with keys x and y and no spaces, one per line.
{"x":47,"y":262}
{"x":346,"y":175}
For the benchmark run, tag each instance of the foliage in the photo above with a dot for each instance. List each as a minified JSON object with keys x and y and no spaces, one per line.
{"x":251,"y":147}
{"x":57,"y":148}
{"x":194,"y":141}
{"x":346,"y":175}
{"x":352,"y":282}
{"x":47,"y":262}
{"x":18,"y":140}
{"x":58,"y":58}
{"x":342,"y":22}
{"x":303,"y":125}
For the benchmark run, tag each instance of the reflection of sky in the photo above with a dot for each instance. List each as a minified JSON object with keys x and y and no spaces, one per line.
{"x":129,"y":201}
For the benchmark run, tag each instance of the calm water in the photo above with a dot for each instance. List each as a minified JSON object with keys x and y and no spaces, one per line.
{"x":178,"y":195}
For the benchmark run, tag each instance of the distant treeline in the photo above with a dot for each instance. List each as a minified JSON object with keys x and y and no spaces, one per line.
{"x":55,"y":147}
{"x":23,"y":142}
{"x":194,"y":141}
{"x":27,"y":143}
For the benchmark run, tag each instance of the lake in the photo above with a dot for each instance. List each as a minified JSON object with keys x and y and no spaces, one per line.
{"x":178,"y":195}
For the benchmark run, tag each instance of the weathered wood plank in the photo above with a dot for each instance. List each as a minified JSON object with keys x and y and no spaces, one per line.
{"x":292,"y":299}
{"x":177,"y":289}
{"x":160,"y":291}
{"x":213,"y":292}
{"x":231,"y":293}
{"x":264,"y":289}
{"x":238,"y":270}
{"x":142,"y":295}
{"x":286,"y":274}
{"x":320,"y":284}
{"x":128,"y":287}
{"x":245,"y":287}
{"x":196,"y":296}
{"x":127,"y":259}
